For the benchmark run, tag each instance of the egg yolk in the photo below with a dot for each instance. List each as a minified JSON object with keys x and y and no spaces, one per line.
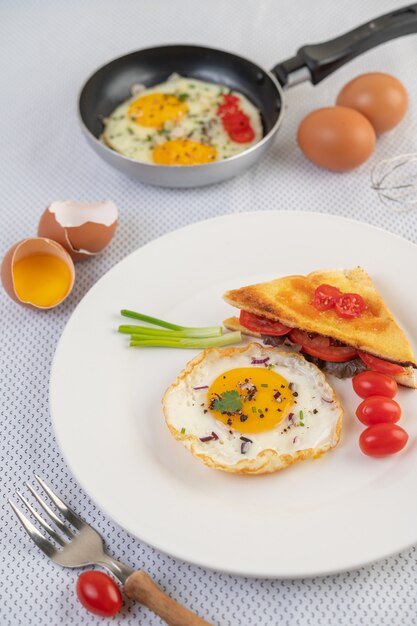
{"x":183,"y":152}
{"x":154,"y":109}
{"x":41,"y":279}
{"x":250,"y":400}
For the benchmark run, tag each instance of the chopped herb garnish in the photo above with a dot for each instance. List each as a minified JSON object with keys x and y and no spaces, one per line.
{"x":254,"y":409}
{"x":212,"y":437}
{"x":183,"y":96}
{"x":301,"y":415}
{"x":182,"y":431}
{"x":244,"y":447}
{"x":270,"y":366}
{"x":264,"y":385}
{"x":227,"y":402}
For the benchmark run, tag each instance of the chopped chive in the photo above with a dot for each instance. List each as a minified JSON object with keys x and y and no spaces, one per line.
{"x":254,"y":409}
{"x":182,"y":431}
{"x":301,"y":415}
{"x":264,"y":385}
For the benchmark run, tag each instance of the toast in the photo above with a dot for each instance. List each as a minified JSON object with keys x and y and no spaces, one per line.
{"x":289,"y":300}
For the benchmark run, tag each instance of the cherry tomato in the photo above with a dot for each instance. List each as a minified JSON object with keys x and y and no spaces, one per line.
{"x":350,"y":305}
{"x":382,"y":439}
{"x":378,"y":410}
{"x":371,"y":383}
{"x":98,"y":593}
{"x":379,"y":365}
{"x":319,"y":346}
{"x":262,"y":324}
{"x":325,"y":297}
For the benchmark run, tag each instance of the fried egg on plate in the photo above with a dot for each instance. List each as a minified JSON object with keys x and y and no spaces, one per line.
{"x":177,"y":123}
{"x":252,"y":410}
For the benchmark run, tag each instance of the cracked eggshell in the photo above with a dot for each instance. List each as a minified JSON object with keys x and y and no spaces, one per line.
{"x":83,"y":228}
{"x":29,"y":247}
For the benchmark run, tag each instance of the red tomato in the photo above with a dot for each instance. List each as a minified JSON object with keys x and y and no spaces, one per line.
{"x":378,"y":410}
{"x":379,"y":365}
{"x":325,"y":297}
{"x":98,"y":593}
{"x":262,"y":324}
{"x":319,"y":346}
{"x":235,"y":121}
{"x":244,"y":135}
{"x":382,"y":439}
{"x":350,"y":305}
{"x":229,"y":103}
{"x":371,"y":383}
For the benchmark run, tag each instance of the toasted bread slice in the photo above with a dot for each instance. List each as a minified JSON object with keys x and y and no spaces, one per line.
{"x":407,"y":378}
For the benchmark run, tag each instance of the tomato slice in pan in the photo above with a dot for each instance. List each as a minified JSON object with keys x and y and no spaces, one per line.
{"x":262,"y":324}
{"x":242,"y":135}
{"x":379,"y":365}
{"x":319,"y":346}
{"x":325,"y":297}
{"x":350,"y":305}
{"x":229,"y":105}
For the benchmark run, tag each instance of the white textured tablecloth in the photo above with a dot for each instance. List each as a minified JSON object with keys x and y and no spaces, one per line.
{"x":47,"y":49}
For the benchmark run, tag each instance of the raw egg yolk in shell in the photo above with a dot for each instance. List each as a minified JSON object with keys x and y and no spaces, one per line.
{"x":183,"y":152}
{"x":42,"y":279}
{"x":250,"y":400}
{"x":154,"y":109}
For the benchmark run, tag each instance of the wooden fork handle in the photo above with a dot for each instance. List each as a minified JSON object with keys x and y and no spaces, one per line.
{"x":140,"y":587}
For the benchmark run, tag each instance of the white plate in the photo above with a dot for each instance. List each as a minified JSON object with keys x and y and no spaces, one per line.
{"x":335,"y":513}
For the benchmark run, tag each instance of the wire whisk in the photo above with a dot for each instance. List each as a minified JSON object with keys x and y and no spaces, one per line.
{"x":395,"y":181}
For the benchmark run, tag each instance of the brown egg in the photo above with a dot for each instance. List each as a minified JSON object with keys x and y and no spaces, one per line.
{"x":381,"y":98}
{"x":336,"y":138}
{"x":83,"y":228}
{"x":37,"y":272}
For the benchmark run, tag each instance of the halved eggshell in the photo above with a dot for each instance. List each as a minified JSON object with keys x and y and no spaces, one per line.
{"x":83,"y":228}
{"x":32,"y":247}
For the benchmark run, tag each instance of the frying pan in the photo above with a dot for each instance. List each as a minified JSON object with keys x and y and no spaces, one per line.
{"x":111,"y":84}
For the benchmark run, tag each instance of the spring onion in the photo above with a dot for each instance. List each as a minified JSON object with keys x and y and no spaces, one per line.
{"x":211,"y":331}
{"x":185,"y":342}
{"x":172,"y":335}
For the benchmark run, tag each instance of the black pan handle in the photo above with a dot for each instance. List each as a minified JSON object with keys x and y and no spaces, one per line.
{"x":320,"y":60}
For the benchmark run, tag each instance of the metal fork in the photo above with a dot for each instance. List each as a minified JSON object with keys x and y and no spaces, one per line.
{"x":85,"y":546}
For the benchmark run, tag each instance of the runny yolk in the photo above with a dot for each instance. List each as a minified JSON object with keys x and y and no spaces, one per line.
{"x":265,"y":399}
{"x":183,"y":152}
{"x":154,"y":109}
{"x":41,"y":279}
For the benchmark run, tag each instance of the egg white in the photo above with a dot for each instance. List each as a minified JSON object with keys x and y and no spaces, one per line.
{"x":201,"y":123}
{"x":186,"y":414}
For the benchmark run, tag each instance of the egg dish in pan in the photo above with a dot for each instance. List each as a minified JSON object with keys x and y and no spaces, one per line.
{"x":183,"y":121}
